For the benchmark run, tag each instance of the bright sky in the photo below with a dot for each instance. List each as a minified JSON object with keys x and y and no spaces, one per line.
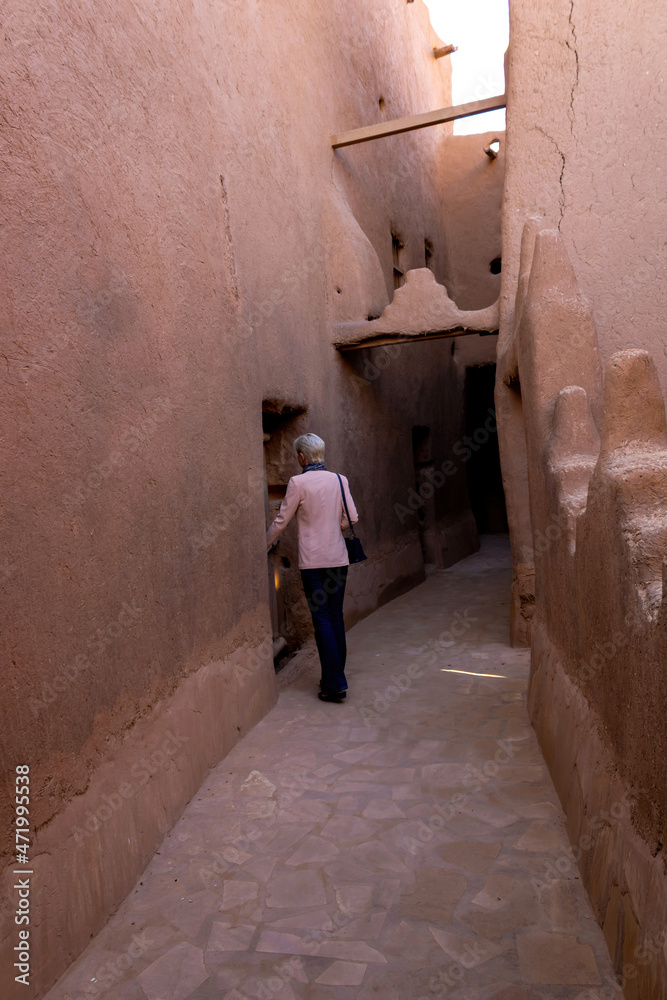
{"x":480,"y":28}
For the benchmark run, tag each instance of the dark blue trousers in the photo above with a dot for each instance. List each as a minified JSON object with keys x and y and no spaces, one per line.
{"x":325,"y":590}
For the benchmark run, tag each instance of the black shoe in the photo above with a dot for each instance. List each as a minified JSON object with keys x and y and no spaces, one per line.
{"x":341,"y":694}
{"x":336,"y":698}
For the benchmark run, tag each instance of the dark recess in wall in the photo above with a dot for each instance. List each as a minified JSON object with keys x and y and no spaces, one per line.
{"x":485,"y":484}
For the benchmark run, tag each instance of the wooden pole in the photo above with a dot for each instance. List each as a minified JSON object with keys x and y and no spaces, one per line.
{"x":400,"y":125}
{"x":444,"y":50}
{"x":382,"y":340}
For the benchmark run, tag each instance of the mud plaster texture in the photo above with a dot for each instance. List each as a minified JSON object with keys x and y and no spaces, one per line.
{"x":597,"y":476}
{"x":405,"y":844}
{"x":177,"y":240}
{"x":582,"y":304}
{"x":585,"y":152}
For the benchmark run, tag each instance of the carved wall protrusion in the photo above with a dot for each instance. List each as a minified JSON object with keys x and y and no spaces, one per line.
{"x":597,"y":510}
{"x":571,"y":454}
{"x":555,"y":333}
{"x":634,"y":410}
{"x":629,"y":486}
{"x":421,"y":306}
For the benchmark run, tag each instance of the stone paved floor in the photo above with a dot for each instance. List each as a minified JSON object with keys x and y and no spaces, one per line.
{"x":405,"y":844}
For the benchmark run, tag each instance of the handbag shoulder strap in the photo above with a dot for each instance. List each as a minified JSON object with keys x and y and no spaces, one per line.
{"x":347,"y":513}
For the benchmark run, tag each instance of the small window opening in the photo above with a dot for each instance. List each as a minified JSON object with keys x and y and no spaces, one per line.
{"x":396,"y":254}
{"x":495,"y":266}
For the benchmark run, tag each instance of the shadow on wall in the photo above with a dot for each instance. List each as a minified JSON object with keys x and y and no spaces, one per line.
{"x":485,"y":481}
{"x":596,"y":464}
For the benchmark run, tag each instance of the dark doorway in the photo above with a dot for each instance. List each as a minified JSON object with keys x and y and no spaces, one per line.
{"x":290,"y":620}
{"x":423,"y":470}
{"x":485,"y":484}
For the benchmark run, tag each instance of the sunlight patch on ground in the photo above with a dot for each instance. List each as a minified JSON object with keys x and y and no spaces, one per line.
{"x":469,"y":673}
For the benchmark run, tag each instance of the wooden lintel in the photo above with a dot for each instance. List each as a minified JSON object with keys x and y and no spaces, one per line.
{"x":400,"y":125}
{"x":384,"y":339}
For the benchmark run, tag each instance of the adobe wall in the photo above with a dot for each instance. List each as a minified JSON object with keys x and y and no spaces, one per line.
{"x":177,"y":239}
{"x":584,"y":126}
{"x":597,"y":468}
{"x":582,"y":376}
{"x":473,"y":188}
{"x":585,"y":153}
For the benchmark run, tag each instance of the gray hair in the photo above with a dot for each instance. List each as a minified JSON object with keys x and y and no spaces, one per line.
{"x":311,"y":446}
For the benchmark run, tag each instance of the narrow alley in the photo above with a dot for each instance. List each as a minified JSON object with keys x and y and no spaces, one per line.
{"x":405,"y":844}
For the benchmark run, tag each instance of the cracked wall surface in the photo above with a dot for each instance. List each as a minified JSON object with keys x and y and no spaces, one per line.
{"x":583,"y":293}
{"x":585,"y":148}
{"x":585,"y":153}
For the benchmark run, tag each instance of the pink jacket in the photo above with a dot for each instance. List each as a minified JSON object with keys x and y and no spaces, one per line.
{"x":316,"y":500}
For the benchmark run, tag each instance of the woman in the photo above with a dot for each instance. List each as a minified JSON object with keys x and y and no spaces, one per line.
{"x":316,"y":498}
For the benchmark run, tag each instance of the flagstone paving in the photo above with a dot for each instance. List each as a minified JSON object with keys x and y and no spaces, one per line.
{"x":407,"y":843}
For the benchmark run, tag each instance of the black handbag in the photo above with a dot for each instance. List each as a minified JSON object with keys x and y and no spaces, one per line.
{"x":353,"y":545}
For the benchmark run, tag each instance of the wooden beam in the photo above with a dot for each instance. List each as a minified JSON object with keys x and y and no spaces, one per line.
{"x":400,"y":125}
{"x":444,"y":50}
{"x":384,"y":339}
